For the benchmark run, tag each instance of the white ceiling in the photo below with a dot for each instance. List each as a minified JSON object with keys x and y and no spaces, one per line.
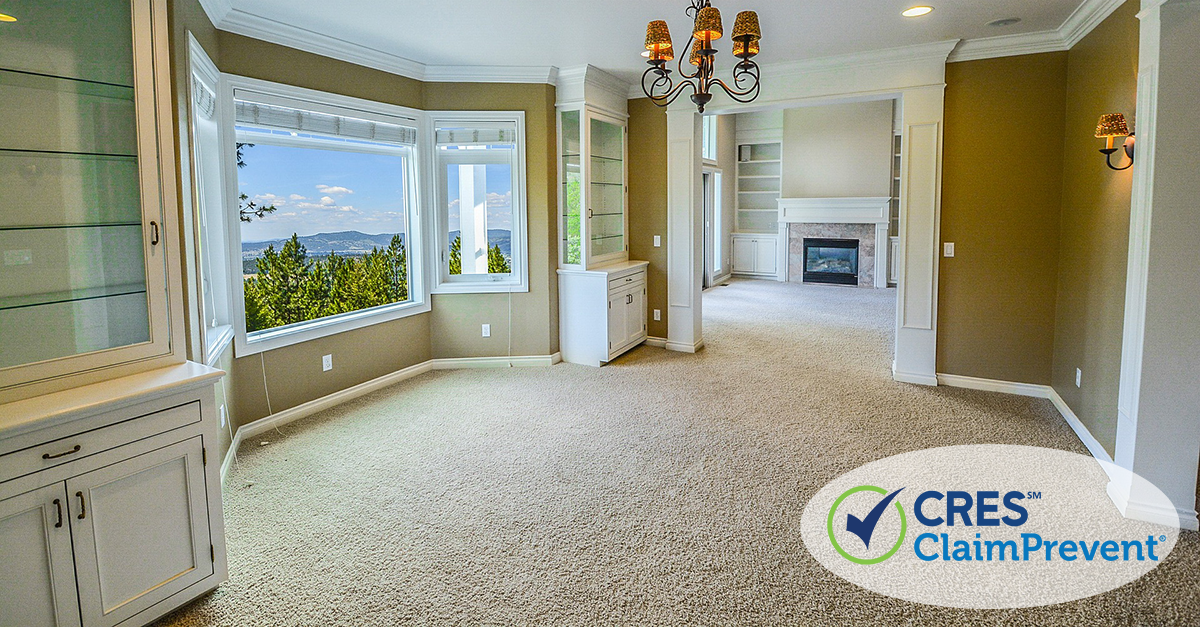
{"x":608,"y":33}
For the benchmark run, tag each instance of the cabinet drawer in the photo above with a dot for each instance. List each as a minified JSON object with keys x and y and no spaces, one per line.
{"x":70,"y":448}
{"x":628,"y":280}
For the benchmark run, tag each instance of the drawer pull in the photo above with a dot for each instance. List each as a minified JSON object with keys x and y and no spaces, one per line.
{"x":82,"y":509}
{"x":58,"y":506}
{"x":62,"y":454}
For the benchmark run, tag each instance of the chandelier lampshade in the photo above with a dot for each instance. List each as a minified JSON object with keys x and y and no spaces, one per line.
{"x":695,"y":56}
{"x":745,"y":50}
{"x":708,"y":24}
{"x":745,"y":27}
{"x":658,"y":37}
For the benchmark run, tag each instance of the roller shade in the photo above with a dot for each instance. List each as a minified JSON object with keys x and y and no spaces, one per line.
{"x":476,"y":134}
{"x":302,"y":121}
{"x":204,"y":99}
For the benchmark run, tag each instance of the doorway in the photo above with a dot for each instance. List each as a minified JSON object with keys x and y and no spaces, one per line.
{"x":714,"y":251}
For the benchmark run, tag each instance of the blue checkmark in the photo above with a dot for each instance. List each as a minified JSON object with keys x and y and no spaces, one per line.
{"x":866,"y":527}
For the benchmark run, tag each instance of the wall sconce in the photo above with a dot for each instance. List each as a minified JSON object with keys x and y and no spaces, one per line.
{"x":1112,"y":126}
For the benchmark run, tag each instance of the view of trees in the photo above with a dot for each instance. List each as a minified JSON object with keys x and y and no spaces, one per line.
{"x":290,"y":287}
{"x":248,"y":209}
{"x":497,"y":262}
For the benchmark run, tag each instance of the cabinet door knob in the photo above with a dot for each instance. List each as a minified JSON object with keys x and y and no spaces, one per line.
{"x":82,"y":507}
{"x":58,"y":506}
{"x":62,"y":454}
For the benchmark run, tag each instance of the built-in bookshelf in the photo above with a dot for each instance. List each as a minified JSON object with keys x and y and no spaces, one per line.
{"x":758,"y":187}
{"x":894,"y":225}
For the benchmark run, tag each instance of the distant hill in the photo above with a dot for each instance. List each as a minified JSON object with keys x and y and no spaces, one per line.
{"x":351,"y":244}
{"x":348,"y":243}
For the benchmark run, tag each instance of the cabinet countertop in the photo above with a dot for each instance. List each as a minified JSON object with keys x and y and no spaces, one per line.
{"x":610,"y":268}
{"x":55,"y":408}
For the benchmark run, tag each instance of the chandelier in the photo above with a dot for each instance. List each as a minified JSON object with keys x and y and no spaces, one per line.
{"x":657,"y":82}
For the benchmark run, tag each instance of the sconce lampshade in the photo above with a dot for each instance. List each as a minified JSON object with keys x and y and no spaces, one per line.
{"x":740,"y":49}
{"x":708,"y":24}
{"x":745,"y":27}
{"x":1112,"y":125}
{"x":694,"y":58}
{"x":658,"y":37}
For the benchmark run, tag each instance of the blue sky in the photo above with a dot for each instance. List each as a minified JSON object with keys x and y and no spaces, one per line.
{"x":325,"y":191}
{"x":321,"y":191}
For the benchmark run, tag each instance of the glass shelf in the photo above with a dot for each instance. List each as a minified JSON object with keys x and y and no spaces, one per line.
{"x":70,"y":296}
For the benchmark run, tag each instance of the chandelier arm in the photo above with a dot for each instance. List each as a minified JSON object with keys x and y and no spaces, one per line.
{"x":679,"y":61}
{"x":669,"y":97}
{"x":739,"y":95}
{"x":662,"y":81}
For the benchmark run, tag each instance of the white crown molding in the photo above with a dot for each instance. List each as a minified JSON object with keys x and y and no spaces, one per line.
{"x":242,"y":23}
{"x":904,"y":55}
{"x":216,"y":9}
{"x":1086,"y":17}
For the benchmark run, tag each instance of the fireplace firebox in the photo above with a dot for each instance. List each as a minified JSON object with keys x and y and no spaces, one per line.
{"x":831,"y":261}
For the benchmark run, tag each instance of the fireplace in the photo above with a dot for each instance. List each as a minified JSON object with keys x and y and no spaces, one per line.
{"x":831,"y":261}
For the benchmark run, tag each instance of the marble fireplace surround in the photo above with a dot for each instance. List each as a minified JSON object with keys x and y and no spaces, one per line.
{"x":863,"y":219}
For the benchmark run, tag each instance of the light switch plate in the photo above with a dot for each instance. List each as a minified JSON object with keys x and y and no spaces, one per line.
{"x":327,"y":363}
{"x":948,"y":249}
{"x":1078,"y":377}
{"x":657,"y":241}
{"x":487,"y":330}
{"x":658,"y":314}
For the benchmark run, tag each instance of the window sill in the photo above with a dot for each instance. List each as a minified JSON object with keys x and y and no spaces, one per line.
{"x":216,"y":340}
{"x":316,"y":329}
{"x":481,"y":287}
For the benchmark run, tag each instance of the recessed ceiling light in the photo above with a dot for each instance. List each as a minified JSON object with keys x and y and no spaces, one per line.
{"x":917,"y":11}
{"x":7,"y":18}
{"x":1008,"y":21}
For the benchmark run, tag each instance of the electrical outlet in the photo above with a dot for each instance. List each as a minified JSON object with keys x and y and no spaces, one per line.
{"x":223,"y":416}
{"x":327,"y":363}
{"x":658,"y":314}
{"x":1078,"y":377}
{"x":487,"y":330}
{"x":658,"y":241}
{"x":21,"y":257}
{"x":948,"y":249}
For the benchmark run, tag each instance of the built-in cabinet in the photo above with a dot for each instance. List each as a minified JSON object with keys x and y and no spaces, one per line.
{"x":759,"y":182}
{"x":110,"y":503}
{"x":602,"y":294}
{"x":755,"y":255}
{"x":86,"y":168}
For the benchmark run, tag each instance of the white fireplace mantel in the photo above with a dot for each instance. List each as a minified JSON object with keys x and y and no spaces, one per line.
{"x":867,"y":210}
{"x":857,"y":210}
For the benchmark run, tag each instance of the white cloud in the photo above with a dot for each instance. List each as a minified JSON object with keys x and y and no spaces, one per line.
{"x":270,"y":199}
{"x":327,"y":201}
{"x":334,"y":190}
{"x":297,"y":197}
{"x":499,"y":200}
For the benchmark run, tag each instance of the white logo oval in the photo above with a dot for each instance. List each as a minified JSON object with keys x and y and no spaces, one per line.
{"x":985,"y":527}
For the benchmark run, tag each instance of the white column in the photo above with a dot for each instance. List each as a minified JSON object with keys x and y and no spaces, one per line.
{"x":685,"y":230}
{"x":472,"y":220}
{"x":920,"y":231}
{"x":1158,"y":410}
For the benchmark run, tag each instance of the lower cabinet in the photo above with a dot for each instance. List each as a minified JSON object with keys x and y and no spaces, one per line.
{"x":101,"y":528}
{"x":755,"y":254}
{"x":602,"y":311}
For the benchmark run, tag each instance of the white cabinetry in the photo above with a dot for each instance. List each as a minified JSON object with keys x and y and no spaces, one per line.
{"x":602,"y":312}
{"x":110,"y":505}
{"x":755,"y":255}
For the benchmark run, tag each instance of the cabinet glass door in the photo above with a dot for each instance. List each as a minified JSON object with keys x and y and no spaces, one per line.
{"x":606,"y":189}
{"x":572,"y":192}
{"x":74,"y":170}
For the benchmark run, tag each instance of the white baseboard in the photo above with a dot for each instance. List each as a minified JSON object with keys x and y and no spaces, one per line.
{"x":1184,"y":517}
{"x":683,"y":347}
{"x":993,"y":385}
{"x":1085,"y":436}
{"x":325,"y":402}
{"x":913,"y":377}
{"x":656,"y":342}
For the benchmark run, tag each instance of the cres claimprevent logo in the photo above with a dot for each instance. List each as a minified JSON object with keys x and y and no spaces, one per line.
{"x":864,"y":528}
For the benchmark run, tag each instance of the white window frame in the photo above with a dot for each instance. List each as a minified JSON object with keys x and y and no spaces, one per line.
{"x":233,"y":87}
{"x":708,"y":144}
{"x":216,"y":298}
{"x":441,"y":280}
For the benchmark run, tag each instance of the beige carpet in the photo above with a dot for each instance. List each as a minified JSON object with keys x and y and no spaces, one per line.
{"x":664,"y":489}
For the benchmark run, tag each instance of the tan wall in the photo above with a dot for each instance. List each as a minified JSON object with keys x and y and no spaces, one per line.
{"x":457,"y":318}
{"x":1102,"y":78}
{"x":648,"y":202}
{"x":838,"y":150}
{"x":1001,"y":199}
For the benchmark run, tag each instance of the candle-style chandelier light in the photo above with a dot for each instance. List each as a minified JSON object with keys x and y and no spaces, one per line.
{"x":657,"y":82}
